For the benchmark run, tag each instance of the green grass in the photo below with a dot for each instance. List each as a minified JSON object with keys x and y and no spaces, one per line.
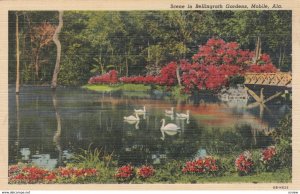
{"x":110,"y":88}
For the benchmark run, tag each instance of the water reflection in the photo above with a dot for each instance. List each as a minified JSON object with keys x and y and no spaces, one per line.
{"x":44,"y":161}
{"x":57,"y":135}
{"x":57,"y":125}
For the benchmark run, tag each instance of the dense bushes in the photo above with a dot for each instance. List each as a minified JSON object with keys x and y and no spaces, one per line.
{"x":211,"y":67}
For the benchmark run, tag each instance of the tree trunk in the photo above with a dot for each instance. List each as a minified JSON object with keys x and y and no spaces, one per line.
{"x":58,"y":50}
{"x":17,"y":56}
{"x":36,"y":64}
{"x":126,"y":66}
{"x":257,"y":50}
{"x":178,"y":75}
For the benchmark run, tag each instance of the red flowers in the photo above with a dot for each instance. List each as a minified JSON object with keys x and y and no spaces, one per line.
{"x":108,"y":78}
{"x":31,"y":174}
{"x":216,"y":61}
{"x":145,"y":172}
{"x":208,"y":165}
{"x":244,"y":163}
{"x":167,"y":77}
{"x":268,"y":153}
{"x":75,"y":172}
{"x":125,"y":173}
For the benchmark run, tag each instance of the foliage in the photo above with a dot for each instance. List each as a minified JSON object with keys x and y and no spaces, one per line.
{"x":283,"y":142}
{"x":140,"y":39}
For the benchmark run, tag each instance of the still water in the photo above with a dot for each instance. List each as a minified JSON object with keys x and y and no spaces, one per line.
{"x":47,"y":129}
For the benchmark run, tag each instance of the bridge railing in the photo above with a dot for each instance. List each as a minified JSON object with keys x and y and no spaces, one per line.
{"x":270,"y":79}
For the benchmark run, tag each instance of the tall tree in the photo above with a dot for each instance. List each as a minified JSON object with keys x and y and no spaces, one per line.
{"x":58,"y":51}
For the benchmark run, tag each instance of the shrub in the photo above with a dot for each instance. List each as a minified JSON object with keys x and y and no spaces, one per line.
{"x":125,"y":173}
{"x":108,"y":78}
{"x":208,"y":165}
{"x":269,"y":158}
{"x":217,"y":61}
{"x":244,"y":163}
{"x":145,"y":172}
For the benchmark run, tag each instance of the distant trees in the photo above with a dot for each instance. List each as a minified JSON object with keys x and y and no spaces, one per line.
{"x":136,"y":42}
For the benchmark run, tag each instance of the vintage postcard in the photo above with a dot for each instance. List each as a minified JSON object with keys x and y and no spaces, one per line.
{"x":149,"y":95}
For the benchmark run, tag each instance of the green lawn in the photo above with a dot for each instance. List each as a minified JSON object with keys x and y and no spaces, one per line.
{"x":124,"y":87}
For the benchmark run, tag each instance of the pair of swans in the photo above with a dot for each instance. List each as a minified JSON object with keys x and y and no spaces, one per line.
{"x":136,"y":116}
{"x":179,"y":115}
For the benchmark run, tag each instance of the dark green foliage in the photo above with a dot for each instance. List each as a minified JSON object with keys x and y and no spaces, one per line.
{"x":141,"y":42}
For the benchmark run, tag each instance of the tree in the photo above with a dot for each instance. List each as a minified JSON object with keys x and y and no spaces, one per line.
{"x":58,"y":51}
{"x":41,"y":36}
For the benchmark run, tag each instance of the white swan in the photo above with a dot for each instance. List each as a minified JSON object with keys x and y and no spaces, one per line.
{"x":132,"y":118}
{"x":183,"y":116}
{"x":170,"y":112}
{"x":170,"y":129}
{"x":140,"y":111}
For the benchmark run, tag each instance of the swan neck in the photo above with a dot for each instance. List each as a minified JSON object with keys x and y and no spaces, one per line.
{"x":163,"y":123}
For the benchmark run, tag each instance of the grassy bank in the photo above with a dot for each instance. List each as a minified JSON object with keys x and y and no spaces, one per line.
{"x":117,"y":87}
{"x":137,"y":89}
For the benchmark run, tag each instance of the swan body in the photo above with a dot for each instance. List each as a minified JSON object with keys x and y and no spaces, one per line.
{"x":132,"y":118}
{"x":133,"y":122}
{"x":170,"y":112}
{"x":140,"y":111}
{"x":183,"y":116}
{"x":169,"y":126}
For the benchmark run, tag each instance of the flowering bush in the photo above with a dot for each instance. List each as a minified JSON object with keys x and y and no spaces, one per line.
{"x":32,"y":174}
{"x":125,"y":173}
{"x":269,"y":159}
{"x":244,"y":163}
{"x":216,"y":62}
{"x":145,"y":172}
{"x":167,"y":77}
{"x":76,"y":172}
{"x":208,"y":165}
{"x":108,"y":78}
{"x":149,"y":79}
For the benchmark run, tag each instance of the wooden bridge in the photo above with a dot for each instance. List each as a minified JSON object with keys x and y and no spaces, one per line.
{"x":280,"y":79}
{"x":277,"y":84}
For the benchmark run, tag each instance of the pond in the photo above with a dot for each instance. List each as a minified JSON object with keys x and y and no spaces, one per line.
{"x":47,"y":129}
